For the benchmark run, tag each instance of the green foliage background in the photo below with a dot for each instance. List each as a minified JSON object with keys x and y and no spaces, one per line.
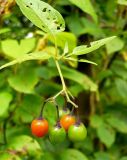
{"x":100,"y":91}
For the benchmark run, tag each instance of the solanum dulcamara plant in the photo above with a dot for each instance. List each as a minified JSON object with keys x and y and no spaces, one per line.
{"x":51,"y":24}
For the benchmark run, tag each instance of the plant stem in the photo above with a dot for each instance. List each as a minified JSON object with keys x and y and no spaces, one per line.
{"x":64,"y":90}
{"x":57,"y":109}
{"x":58,"y":94}
{"x":64,"y":85}
{"x":61,"y":76}
{"x":42,"y":108}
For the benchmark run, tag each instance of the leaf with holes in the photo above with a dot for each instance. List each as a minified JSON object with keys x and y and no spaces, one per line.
{"x":42,"y":15}
{"x":84,"y":49}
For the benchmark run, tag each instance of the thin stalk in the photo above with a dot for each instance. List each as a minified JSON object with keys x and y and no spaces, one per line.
{"x":64,"y":85}
{"x":58,"y":94}
{"x":71,"y":95}
{"x":42,"y":108}
{"x":61,"y":76}
{"x":57,"y":109}
{"x":72,"y":110}
{"x":64,"y":90}
{"x":68,"y":100}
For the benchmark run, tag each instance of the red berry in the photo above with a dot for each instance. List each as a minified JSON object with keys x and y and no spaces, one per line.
{"x":39,"y":127}
{"x":67,"y":120}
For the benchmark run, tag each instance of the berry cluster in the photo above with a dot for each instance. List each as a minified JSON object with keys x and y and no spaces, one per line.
{"x":67,"y":125}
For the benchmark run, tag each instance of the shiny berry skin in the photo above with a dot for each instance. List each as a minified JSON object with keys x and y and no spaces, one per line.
{"x":77,"y":132}
{"x":39,"y":127}
{"x":67,"y":120}
{"x":57,"y":134}
{"x":63,"y":112}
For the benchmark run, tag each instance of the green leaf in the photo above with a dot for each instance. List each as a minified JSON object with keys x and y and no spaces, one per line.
{"x":24,"y":81}
{"x":110,"y":6}
{"x":48,"y":88}
{"x":115,"y":45}
{"x":96,"y":121}
{"x":106,"y":135}
{"x":83,"y":26}
{"x":13,"y":49}
{"x":5,"y":99}
{"x":102,"y":156}
{"x":72,"y":154}
{"x":81,"y":60}
{"x":116,"y":122}
{"x":84,"y":49}
{"x":42,"y":15}
{"x":46,"y":72}
{"x":86,"y":6}
{"x":72,"y":63}
{"x":32,"y":56}
{"x":85,"y":146}
{"x":119,"y":69}
{"x":48,"y":156}
{"x":50,"y":113}
{"x":76,"y":89}
{"x":26,"y":111}
{"x":63,"y":38}
{"x":82,"y":79}
{"x":62,"y":2}
{"x":66,"y":49}
{"x":122,"y":2}
{"x":8,"y":156}
{"x":24,"y":144}
{"x":123,"y":158}
{"x":121,"y":86}
{"x":4,"y":30}
{"x":104,"y":74}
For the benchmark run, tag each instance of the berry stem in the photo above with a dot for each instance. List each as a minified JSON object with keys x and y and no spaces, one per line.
{"x":57,"y":109}
{"x":72,"y":111}
{"x":42,"y":108}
